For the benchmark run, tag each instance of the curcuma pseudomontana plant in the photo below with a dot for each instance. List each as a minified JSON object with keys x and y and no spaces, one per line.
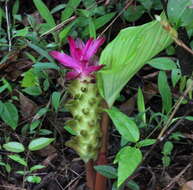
{"x":85,"y":102}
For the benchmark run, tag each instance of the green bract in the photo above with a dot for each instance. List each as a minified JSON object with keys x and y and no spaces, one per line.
{"x":85,"y":109}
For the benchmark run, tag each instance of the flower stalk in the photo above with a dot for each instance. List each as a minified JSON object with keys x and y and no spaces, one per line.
{"x":85,"y":100}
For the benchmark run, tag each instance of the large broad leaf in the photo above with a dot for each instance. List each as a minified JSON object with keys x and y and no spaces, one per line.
{"x":126,"y":127}
{"x":128,"y":159}
{"x":179,"y":11}
{"x":126,"y":54}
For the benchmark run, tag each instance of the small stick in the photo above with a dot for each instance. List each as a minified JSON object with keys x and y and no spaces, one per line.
{"x":119,"y":14}
{"x":8,"y":24}
{"x":176,"y":178}
{"x":176,"y":106}
{"x":59,"y":26}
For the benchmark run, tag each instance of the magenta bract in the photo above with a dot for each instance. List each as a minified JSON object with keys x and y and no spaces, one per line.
{"x":80,"y":61}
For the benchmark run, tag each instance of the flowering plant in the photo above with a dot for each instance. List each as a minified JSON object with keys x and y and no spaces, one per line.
{"x":85,"y":101}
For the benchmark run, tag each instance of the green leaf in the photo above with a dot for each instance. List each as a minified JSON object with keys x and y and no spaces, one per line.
{"x":40,"y":51}
{"x":42,"y":66}
{"x":1,"y":107}
{"x":58,"y":8}
{"x":2,"y":13}
{"x":30,"y":79}
{"x":70,"y":8}
{"x":168,"y":147}
{"x":92,"y":29}
{"x":44,"y":132}
{"x":20,"y":172}
{"x":107,"y":171}
{"x":42,"y":112}
{"x":7,"y":85}
{"x":45,"y":13}
{"x":128,"y":159}
{"x":33,"y":179}
{"x":190,"y":118}
{"x":166,"y":161}
{"x":8,"y":168}
{"x":18,"y":158}
{"x":170,"y":50}
{"x":63,"y":34}
{"x":165,"y":91}
{"x":34,"y":125}
{"x":126,"y":127}
{"x":99,"y":22}
{"x":70,"y":130}
{"x":141,"y":104}
{"x":56,"y":100}
{"x":39,"y":143}
{"x":102,"y":20}
{"x":33,"y":90}
{"x":177,"y":9}
{"x":10,"y":115}
{"x":146,"y":142}
{"x":21,"y":33}
{"x":133,"y":13}
{"x":36,"y":167}
{"x":14,"y":147}
{"x":187,"y":18}
{"x":15,"y":7}
{"x":146,"y":3}
{"x":175,"y":76}
{"x":126,"y":54}
{"x":132,"y":185}
{"x":162,"y":63}
{"x":2,"y":164}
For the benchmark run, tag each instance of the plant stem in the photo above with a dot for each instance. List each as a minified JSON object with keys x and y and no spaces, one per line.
{"x":176,"y":106}
{"x":101,"y":181}
{"x":90,"y":175}
{"x":8,"y":24}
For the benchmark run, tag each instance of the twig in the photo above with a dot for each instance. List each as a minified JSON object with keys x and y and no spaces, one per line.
{"x":176,"y":178}
{"x":8,"y":24}
{"x":176,"y":106}
{"x":183,"y":45}
{"x":166,"y":26}
{"x":120,"y":13}
{"x":59,"y":26}
{"x":166,"y":134}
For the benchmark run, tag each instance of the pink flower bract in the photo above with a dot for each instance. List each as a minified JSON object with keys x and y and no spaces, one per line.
{"x":80,"y":61}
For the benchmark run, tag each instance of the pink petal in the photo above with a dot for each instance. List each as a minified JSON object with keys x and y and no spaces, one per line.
{"x":84,"y":51}
{"x":80,"y":44}
{"x":72,"y":46}
{"x":72,"y":75}
{"x":91,"y":69}
{"x":66,"y":60}
{"x":93,"y":47}
{"x":76,"y":47}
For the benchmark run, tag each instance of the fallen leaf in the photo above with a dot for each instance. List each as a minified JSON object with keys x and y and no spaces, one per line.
{"x":27,"y":106}
{"x":187,"y":186}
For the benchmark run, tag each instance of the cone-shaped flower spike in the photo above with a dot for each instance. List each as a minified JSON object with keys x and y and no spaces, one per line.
{"x":85,"y":102}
